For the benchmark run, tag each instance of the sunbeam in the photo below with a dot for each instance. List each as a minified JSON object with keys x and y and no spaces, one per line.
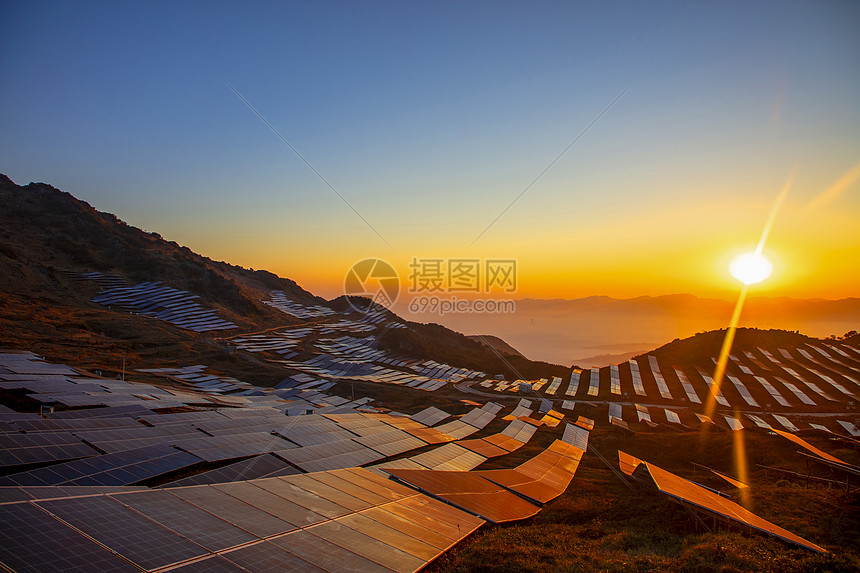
{"x":749,"y":268}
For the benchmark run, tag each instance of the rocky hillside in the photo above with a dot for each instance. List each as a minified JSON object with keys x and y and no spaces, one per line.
{"x":46,"y":235}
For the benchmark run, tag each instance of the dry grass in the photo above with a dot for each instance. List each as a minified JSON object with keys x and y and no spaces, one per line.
{"x":600,"y":525}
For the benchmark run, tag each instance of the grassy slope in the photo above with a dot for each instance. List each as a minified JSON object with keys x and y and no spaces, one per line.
{"x":709,"y":343}
{"x":600,"y":525}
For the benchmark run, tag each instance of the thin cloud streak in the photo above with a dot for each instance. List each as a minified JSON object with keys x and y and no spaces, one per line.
{"x":306,"y":162}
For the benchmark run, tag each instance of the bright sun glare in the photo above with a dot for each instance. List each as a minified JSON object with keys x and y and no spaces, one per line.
{"x":750,"y":268}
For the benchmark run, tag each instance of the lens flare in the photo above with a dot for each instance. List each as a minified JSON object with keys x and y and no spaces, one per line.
{"x":751,"y":268}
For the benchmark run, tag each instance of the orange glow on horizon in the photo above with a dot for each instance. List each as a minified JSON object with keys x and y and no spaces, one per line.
{"x":677,"y":247}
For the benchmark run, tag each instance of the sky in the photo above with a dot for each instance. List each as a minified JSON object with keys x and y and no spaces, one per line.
{"x":420,"y":123}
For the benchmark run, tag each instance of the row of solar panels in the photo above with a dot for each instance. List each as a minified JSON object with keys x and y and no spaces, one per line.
{"x":59,"y":384}
{"x":505,"y":494}
{"x":622,"y":415}
{"x":447,"y":456}
{"x":346,"y":520}
{"x":309,"y":442}
{"x":110,"y":446}
{"x":197,"y":378}
{"x":280,"y":301}
{"x":175,"y":306}
{"x":341,"y":520}
{"x":804,"y":377}
{"x":326,"y":366}
{"x":367,"y":321}
{"x":282,"y":341}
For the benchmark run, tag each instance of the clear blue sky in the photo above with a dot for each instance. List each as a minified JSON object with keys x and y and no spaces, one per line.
{"x":430,"y":117}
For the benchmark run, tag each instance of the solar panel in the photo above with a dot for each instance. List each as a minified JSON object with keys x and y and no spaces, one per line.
{"x":397,"y":531}
{"x":576,"y":436}
{"x":806,"y":445}
{"x":471,"y":492}
{"x":309,"y":483}
{"x":658,"y":378}
{"x":492,"y":407}
{"x":642,"y":413}
{"x":286,"y":509}
{"x":77,"y":424}
{"x":33,"y":541}
{"x":449,"y":457}
{"x":430,"y":416}
{"x":689,"y":390}
{"x":309,"y":457}
{"x":311,"y":508}
{"x":693,"y":495}
{"x":478,"y":418}
{"x":110,"y":469}
{"x":376,"y":550}
{"x":343,"y":483}
{"x":106,"y":412}
{"x":269,"y":558}
{"x":252,"y":468}
{"x":117,"y":527}
{"x":506,"y":442}
{"x":594,"y":382}
{"x":10,"y":494}
{"x":373,"y":482}
{"x":189,"y":521}
{"x":458,"y":429}
{"x":229,"y":508}
{"x":391,"y":442}
{"x":430,"y":435}
{"x":773,"y":392}
{"x":543,"y":477}
{"x":436,"y":515}
{"x":483,"y":447}
{"x":672,"y":416}
{"x":214,"y":564}
{"x":326,"y":554}
{"x":21,"y":449}
{"x":740,"y":387}
{"x":636,"y":377}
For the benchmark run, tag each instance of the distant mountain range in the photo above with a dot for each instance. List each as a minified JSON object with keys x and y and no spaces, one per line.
{"x":599,"y":330}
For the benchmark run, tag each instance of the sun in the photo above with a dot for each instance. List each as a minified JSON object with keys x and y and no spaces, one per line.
{"x":750,"y":268}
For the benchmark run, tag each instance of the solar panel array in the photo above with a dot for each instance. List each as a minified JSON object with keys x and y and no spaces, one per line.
{"x":60,"y":385}
{"x":131,"y":444}
{"x":794,"y":381}
{"x":256,"y":508}
{"x":197,"y":378}
{"x":279,"y":300}
{"x":501,"y":495}
{"x":171,"y":305}
{"x":345,"y":520}
{"x":328,"y":366}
